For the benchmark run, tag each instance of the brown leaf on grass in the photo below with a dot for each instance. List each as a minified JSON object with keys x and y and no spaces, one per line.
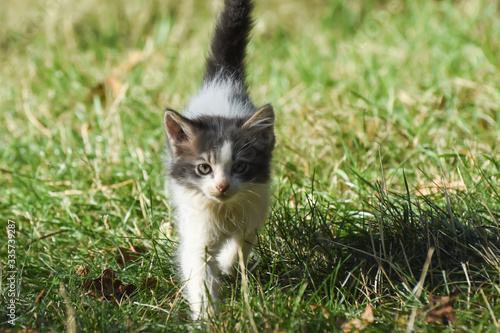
{"x":441,"y":310}
{"x":106,"y":286}
{"x":137,"y":249}
{"x":40,"y":297}
{"x":109,"y":89}
{"x":324,"y":311}
{"x":359,"y":324}
{"x":127,"y":289}
{"x":149,"y":283}
{"x":99,"y":91}
{"x":124,"y":256}
{"x":114,"y":85}
{"x":83,"y":270}
{"x":368,"y":315}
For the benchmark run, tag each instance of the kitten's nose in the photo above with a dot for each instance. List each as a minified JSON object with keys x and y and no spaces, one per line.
{"x":222,"y":187}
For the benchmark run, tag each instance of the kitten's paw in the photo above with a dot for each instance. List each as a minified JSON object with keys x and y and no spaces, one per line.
{"x":205,"y":311}
{"x":231,"y":271}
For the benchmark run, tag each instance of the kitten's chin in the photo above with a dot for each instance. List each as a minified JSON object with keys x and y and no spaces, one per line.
{"x":221,"y":198}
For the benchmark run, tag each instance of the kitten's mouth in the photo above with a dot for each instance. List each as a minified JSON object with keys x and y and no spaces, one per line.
{"x":222,"y":197}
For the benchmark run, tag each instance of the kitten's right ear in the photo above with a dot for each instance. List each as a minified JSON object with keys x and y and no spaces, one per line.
{"x":179,"y":129}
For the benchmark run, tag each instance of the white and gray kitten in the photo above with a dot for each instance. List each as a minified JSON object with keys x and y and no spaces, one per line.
{"x":219,"y":164}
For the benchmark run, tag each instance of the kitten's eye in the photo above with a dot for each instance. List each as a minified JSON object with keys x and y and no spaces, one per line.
{"x":240,"y":167}
{"x":204,"y":169}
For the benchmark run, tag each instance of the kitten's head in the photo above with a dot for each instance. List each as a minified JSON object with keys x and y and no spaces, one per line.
{"x":220,"y":157}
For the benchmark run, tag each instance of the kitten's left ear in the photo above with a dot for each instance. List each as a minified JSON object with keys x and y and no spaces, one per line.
{"x":261,"y":127}
{"x":178,"y":128}
{"x":263,"y":118}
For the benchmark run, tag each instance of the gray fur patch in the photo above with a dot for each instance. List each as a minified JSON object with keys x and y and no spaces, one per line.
{"x":253,"y":146}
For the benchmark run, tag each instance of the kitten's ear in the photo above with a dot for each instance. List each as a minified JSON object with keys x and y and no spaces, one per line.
{"x":178,"y":128}
{"x":263,"y":118}
{"x":261,"y":127}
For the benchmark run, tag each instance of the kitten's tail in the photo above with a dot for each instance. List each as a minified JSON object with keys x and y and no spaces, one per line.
{"x":227,"y":52}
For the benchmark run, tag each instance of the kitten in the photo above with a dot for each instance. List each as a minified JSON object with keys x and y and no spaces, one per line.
{"x":219,"y":164}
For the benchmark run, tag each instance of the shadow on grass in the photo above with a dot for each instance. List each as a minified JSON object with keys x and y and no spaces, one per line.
{"x":378,"y":250}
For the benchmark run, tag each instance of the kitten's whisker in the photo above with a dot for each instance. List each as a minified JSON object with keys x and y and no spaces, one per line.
{"x":254,"y":193}
{"x":250,"y":202}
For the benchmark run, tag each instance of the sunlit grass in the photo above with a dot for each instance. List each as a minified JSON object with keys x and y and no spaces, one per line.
{"x":387,"y":145}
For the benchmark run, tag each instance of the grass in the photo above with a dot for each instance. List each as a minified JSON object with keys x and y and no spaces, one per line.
{"x":388,"y":145}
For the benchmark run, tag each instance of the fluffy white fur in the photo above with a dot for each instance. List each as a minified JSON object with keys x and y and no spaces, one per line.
{"x":213,"y":225}
{"x":211,"y":233}
{"x":220,"y":204}
{"x":216,"y":99}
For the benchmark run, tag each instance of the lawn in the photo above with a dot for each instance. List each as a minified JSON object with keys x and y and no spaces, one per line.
{"x":385,"y":211}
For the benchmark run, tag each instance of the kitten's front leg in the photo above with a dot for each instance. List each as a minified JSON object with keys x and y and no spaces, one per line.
{"x":228,"y":257}
{"x":199,"y":271}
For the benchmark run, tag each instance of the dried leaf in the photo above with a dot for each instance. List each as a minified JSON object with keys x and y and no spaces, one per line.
{"x":111,"y":86}
{"x":107,"y":91}
{"x":137,"y":249}
{"x":106,"y":286}
{"x":83,"y":270}
{"x":324,"y":311}
{"x":99,"y":90}
{"x":129,"y":289}
{"x":149,"y":283}
{"x":368,"y":315}
{"x":359,"y":324}
{"x":40,"y":297}
{"x":114,"y":85}
{"x":125,"y":256}
{"x":441,"y":310}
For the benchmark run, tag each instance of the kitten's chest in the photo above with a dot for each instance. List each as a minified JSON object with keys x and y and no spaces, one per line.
{"x":219,"y":220}
{"x":204,"y":219}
